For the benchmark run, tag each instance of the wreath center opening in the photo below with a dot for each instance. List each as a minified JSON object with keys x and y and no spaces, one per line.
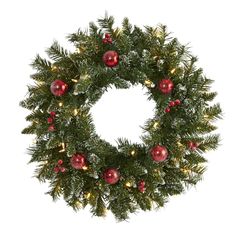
{"x":121,"y":113}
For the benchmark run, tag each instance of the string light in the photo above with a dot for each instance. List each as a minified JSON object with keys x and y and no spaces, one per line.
{"x":173,"y":71}
{"x":60,"y":104}
{"x":185,"y":170}
{"x":155,"y":57}
{"x":62,"y":147}
{"x":54,"y":68}
{"x":85,"y":167}
{"x":78,"y":204}
{"x":206,"y":117}
{"x":58,"y":188}
{"x":133,"y":152}
{"x":75,"y":80}
{"x":84,"y":76}
{"x":75,"y":112}
{"x":128,"y":184}
{"x":88,"y":195}
{"x":34,"y":141}
{"x":156,"y":125}
{"x":149,"y":83}
{"x":80,"y":49}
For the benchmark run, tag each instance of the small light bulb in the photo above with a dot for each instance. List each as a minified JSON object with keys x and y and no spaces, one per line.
{"x":60,"y":104}
{"x":75,"y":80}
{"x":149,"y":83}
{"x":34,"y":141}
{"x":156,"y":125}
{"x":173,"y":71}
{"x":78,"y":50}
{"x":88,"y":195}
{"x":75,"y":112}
{"x":133,"y":153}
{"x":84,"y":77}
{"x":62,"y":147}
{"x":85,"y":168}
{"x":54,"y":68}
{"x":78,"y":204}
{"x":128,"y":184}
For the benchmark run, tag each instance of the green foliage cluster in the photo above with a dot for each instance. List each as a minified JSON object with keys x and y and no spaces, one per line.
{"x":146,"y":56}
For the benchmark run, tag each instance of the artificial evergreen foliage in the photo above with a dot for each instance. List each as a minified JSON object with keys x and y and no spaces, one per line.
{"x":63,"y":125}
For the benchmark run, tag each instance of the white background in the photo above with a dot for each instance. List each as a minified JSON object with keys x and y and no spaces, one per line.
{"x":28,"y":27}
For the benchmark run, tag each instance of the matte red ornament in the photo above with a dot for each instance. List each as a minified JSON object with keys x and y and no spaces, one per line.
{"x":51,"y":128}
{"x":104,"y":41}
{"x":141,"y":186}
{"x":56,"y":169}
{"x":107,"y":39}
{"x":58,"y":87}
{"x":193,"y":145}
{"x":172,"y":104}
{"x":50,"y":120}
{"x":53,"y":114}
{"x":159,"y":153}
{"x":78,"y":161}
{"x":62,"y":169}
{"x":111,"y":175}
{"x":167,"y":110}
{"x":166,"y":86}
{"x":60,"y":162}
{"x":110,"y":58}
{"x":177,"y":102}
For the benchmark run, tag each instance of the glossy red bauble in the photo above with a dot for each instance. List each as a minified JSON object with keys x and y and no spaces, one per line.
{"x":166,"y":86}
{"x":159,"y":153}
{"x":78,"y":161}
{"x":58,"y":87}
{"x":111,"y":175}
{"x":110,"y":58}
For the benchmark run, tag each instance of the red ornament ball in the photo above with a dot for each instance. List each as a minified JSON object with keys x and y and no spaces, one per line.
{"x":166,"y":86}
{"x":111,"y":175}
{"x":58,"y":87}
{"x":159,"y":153}
{"x":78,"y":161}
{"x":110,"y":58}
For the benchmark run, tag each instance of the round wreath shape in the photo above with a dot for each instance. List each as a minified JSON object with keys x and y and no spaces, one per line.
{"x":87,"y":170}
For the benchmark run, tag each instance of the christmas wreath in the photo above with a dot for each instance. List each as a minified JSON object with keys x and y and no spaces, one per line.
{"x":87,"y":170}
